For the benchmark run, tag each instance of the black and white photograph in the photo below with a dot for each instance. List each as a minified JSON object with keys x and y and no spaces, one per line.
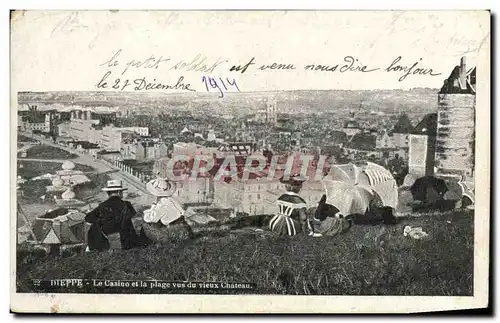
{"x":175,"y":154}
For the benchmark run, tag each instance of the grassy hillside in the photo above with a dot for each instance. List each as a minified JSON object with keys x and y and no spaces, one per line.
{"x":31,"y":169}
{"x":48,"y":152}
{"x":367,"y":260}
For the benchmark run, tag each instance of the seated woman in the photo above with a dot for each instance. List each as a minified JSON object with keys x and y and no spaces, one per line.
{"x":326,"y":220}
{"x":291,"y":217}
{"x":167,"y":213}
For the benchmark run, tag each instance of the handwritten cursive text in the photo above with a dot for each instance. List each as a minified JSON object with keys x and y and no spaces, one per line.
{"x":151,"y":62}
{"x":198,"y":64}
{"x":140,"y":84}
{"x":351,"y":64}
{"x":409,"y":70}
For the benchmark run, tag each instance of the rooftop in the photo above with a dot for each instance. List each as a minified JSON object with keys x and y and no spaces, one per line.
{"x":353,"y":124}
{"x":34,"y":118}
{"x":238,"y":148}
{"x":403,"y":125}
{"x":428,"y":125}
{"x":460,"y":81}
{"x":363,"y":141}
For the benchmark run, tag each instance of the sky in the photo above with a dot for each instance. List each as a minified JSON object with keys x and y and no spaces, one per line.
{"x":73,"y":51}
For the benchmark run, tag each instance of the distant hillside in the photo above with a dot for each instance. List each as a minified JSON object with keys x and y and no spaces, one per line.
{"x":422,"y":100}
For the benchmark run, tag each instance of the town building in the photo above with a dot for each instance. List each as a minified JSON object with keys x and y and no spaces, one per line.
{"x":141,"y":150}
{"x":95,"y":133}
{"x":110,"y":156}
{"x":211,"y":136}
{"x":236,"y":148}
{"x":85,"y":147}
{"x":85,"y":123}
{"x":63,"y":129}
{"x":112,"y":137}
{"x":185,"y":131}
{"x":255,"y":195}
{"x":34,"y":120}
{"x":351,"y":126}
{"x":33,"y":124}
{"x":385,"y":141}
{"x":192,"y":149}
{"x":81,"y":124}
{"x":258,"y":193}
{"x":423,"y":146}
{"x":142,"y":131}
{"x":267,"y":114}
{"x":194,"y":191}
{"x":401,"y":131}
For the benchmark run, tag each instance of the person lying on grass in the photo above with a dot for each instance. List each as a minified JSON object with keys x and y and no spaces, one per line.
{"x":326,"y":220}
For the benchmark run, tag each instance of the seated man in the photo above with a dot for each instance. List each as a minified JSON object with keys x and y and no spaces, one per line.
{"x":111,"y":222}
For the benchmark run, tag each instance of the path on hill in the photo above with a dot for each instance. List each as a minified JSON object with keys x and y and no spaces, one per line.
{"x":130,"y":182}
{"x":99,"y":167}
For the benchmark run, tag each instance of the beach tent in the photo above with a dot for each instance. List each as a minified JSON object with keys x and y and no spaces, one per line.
{"x":353,"y":189}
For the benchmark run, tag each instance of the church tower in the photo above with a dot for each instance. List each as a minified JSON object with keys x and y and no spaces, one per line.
{"x":271,"y":112}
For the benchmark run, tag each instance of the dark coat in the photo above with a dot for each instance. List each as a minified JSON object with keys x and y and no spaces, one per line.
{"x":112,"y":216}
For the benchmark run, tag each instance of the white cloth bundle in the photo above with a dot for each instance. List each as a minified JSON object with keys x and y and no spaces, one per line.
{"x":150,"y":215}
{"x":167,"y":210}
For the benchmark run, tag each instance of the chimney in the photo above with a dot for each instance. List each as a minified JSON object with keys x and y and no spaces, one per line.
{"x":463,"y":74}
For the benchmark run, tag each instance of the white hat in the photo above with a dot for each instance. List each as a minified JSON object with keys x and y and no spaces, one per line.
{"x":161,"y":187}
{"x":114,"y":185}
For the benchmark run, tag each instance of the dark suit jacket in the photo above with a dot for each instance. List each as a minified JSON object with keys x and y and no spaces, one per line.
{"x":112,"y":216}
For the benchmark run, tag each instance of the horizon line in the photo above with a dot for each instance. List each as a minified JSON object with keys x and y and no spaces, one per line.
{"x":231,"y":93}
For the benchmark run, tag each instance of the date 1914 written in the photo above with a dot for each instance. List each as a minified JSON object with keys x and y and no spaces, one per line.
{"x":219,"y":85}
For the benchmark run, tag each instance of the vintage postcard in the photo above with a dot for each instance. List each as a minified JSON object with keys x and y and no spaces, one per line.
{"x":249,"y":161}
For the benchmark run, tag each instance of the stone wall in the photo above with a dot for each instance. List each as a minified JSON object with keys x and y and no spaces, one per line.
{"x":455,"y":135}
{"x":421,"y":155}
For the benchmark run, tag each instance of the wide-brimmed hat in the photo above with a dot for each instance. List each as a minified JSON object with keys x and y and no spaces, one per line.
{"x":114,"y":185}
{"x":161,"y":187}
{"x":295,"y":179}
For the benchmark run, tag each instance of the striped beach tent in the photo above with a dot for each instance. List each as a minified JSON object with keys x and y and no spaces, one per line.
{"x":380,"y":180}
{"x":467,"y":192}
